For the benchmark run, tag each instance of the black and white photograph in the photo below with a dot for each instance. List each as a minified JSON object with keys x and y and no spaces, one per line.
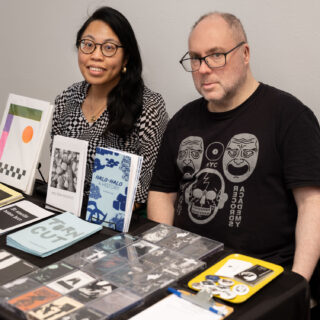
{"x":179,"y":240}
{"x":161,"y":256}
{"x":130,"y":272}
{"x":143,"y":247}
{"x":51,"y":272}
{"x":92,"y":291}
{"x":12,"y":267}
{"x":254,"y":274}
{"x":71,"y":282}
{"x":158,"y":233}
{"x":18,"y":286}
{"x":182,"y":266}
{"x":150,"y":282}
{"x":86,"y":256}
{"x":56,"y":309}
{"x":84,"y":314}
{"x":105,"y":265}
{"x":116,"y":242}
{"x":64,"y":171}
{"x":202,"y":247}
{"x":116,"y":302}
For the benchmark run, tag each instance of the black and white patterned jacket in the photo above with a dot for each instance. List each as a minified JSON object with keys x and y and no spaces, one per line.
{"x":68,"y":120}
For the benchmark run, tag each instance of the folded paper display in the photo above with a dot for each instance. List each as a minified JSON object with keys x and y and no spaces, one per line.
{"x":52,"y":235}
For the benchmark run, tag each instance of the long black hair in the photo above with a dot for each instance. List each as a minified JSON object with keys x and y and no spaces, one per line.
{"x":125,"y":99}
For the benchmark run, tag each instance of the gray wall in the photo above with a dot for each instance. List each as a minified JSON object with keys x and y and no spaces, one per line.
{"x":39,"y":60}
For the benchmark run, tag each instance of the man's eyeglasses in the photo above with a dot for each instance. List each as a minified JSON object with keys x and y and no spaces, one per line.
{"x":108,"y":49}
{"x":213,"y":60}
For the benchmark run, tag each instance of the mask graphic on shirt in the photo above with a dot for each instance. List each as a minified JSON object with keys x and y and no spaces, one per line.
{"x":190,"y":156}
{"x":205,"y":196}
{"x":240,"y":157}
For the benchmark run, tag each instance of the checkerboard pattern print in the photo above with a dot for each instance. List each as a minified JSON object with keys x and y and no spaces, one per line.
{"x":11,"y":171}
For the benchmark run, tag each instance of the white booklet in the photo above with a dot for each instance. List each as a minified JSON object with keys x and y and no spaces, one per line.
{"x":67,"y":174}
{"x":19,"y":214}
{"x":113,"y":187}
{"x":22,"y":131}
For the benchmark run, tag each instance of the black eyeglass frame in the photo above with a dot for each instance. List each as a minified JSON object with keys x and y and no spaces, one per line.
{"x":205,"y":57}
{"x":99,"y":44}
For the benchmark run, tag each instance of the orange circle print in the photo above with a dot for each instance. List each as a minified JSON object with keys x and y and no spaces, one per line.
{"x":27,"y":134}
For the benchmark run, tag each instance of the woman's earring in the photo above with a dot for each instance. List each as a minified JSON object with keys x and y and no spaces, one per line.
{"x":124,"y":69}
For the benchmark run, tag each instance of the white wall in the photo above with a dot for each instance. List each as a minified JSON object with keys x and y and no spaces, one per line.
{"x":38,"y":56}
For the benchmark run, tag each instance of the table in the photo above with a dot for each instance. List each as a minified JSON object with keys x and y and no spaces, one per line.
{"x":286,"y":297}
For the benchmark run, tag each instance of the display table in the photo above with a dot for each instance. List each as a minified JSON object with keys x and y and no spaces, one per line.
{"x":286,"y":297}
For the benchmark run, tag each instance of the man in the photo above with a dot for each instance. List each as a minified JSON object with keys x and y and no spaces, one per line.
{"x":242,"y":164}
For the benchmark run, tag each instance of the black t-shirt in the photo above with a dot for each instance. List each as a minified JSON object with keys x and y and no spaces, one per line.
{"x":234,"y":171}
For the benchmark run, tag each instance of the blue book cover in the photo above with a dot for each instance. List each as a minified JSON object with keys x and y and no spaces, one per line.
{"x":113,"y":186}
{"x":51,"y":235}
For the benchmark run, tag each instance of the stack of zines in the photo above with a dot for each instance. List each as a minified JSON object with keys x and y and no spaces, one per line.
{"x":52,"y":235}
{"x":8,"y":195}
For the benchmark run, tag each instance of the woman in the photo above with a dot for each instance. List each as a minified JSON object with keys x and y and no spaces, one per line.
{"x":112,"y":107}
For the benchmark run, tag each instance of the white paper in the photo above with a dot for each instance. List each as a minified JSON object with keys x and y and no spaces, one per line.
{"x":173,"y":307}
{"x":232,"y":267}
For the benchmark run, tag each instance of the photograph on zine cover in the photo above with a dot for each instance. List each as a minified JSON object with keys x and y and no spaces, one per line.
{"x":159,"y":257}
{"x":85,"y":256}
{"x":18,"y":286}
{"x":117,"y":301}
{"x":71,"y":282}
{"x":64,"y":170}
{"x":116,"y":242}
{"x":51,"y":272}
{"x":35,"y":298}
{"x":179,"y":239}
{"x":157,"y":233}
{"x":56,"y":309}
{"x":130,"y":272}
{"x":84,"y":314}
{"x":105,"y":265}
{"x":201,"y":247}
{"x":143,"y":247}
{"x":150,"y":282}
{"x":182,"y":266}
{"x":92,"y":291}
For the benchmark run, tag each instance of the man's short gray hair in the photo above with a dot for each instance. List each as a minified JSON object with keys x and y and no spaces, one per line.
{"x":233,"y":22}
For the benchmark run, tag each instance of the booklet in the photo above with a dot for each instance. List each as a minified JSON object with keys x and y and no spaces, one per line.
{"x":67,"y":174}
{"x":52,"y":235}
{"x":113,"y":188}
{"x":22,"y":132}
{"x":19,"y":214}
{"x":8,"y":195}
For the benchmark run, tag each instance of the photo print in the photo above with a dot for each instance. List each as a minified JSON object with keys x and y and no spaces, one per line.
{"x":116,"y":242}
{"x":179,"y":239}
{"x":84,"y":314}
{"x":93,"y":291}
{"x":18,"y":286}
{"x":35,"y":298}
{"x":51,"y":272}
{"x":71,"y":282}
{"x":56,"y":309}
{"x":158,"y":233}
{"x":64,"y":171}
